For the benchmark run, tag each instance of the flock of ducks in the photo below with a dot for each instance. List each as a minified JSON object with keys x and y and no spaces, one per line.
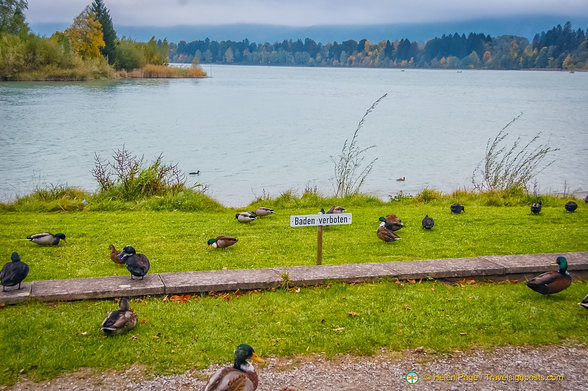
{"x":242,"y":375}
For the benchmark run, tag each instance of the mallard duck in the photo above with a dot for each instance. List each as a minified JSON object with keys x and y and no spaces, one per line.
{"x":392,"y":222}
{"x":584,"y":303}
{"x":336,"y":209}
{"x":245,"y":217}
{"x":118,"y":322}
{"x":428,"y":222}
{"x":262,"y":211}
{"x":571,"y":206}
{"x":457,"y":208}
{"x":386,"y":234}
{"x":14,"y":272}
{"x":536,"y":207}
{"x":552,"y":281}
{"x":115,"y":255}
{"x":401,"y":179}
{"x":137,"y":264}
{"x":46,"y":238}
{"x":240,"y":377}
{"x":222,"y":241}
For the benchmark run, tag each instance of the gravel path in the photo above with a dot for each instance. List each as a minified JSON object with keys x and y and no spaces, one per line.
{"x":566,"y":365}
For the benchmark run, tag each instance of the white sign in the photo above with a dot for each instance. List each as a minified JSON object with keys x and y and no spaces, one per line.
{"x":326,"y":219}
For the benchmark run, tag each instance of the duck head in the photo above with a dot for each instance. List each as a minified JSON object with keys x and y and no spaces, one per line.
{"x":127,"y":252}
{"x":242,"y":354}
{"x":14,"y":257}
{"x":60,"y":236}
{"x":124,"y":304}
{"x":563,"y":264}
{"x":211,"y":242}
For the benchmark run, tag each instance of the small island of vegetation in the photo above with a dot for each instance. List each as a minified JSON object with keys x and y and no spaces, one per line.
{"x":89,"y":49}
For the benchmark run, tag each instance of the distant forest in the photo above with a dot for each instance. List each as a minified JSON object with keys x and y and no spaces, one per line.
{"x":559,"y":48}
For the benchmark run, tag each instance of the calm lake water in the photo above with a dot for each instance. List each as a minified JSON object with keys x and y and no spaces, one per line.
{"x":251,"y":130}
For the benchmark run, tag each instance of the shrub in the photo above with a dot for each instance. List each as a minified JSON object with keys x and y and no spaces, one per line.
{"x":505,"y":167}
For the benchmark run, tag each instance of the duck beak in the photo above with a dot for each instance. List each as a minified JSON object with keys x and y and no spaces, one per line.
{"x":256,"y":358}
{"x":554,"y":263}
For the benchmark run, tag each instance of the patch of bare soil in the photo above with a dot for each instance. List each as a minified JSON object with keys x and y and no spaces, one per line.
{"x":504,"y":368}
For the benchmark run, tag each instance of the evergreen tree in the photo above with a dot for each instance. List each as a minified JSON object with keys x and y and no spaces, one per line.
{"x":108,"y":33}
{"x":12,"y":20}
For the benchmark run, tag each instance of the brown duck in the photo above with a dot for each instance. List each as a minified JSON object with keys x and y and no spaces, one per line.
{"x":240,"y":377}
{"x":115,"y":255}
{"x":392,"y":222}
{"x":552,"y":281}
{"x":222,"y":241}
{"x":386,"y":234}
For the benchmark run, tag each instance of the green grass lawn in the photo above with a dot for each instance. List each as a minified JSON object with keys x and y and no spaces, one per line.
{"x":40,"y":340}
{"x":176,"y":241}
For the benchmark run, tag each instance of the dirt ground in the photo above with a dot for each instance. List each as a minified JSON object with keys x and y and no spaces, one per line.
{"x":504,"y":368}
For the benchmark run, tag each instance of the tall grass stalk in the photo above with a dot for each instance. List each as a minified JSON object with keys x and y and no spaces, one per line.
{"x":506,"y":167}
{"x":350,"y":168}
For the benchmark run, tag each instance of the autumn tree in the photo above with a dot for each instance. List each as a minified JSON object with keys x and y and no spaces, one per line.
{"x":108,"y":34}
{"x":12,"y":20}
{"x":85,"y":34}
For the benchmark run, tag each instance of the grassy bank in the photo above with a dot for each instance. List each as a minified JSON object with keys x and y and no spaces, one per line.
{"x":176,"y":241}
{"x":40,"y":341}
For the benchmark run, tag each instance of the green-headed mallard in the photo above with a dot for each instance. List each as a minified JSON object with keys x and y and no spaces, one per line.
{"x":13,"y":273}
{"x":552,"y":281}
{"x":137,"y":264}
{"x":46,"y":238}
{"x":428,"y":222}
{"x":240,"y":377}
{"x":571,"y":206}
{"x":386,"y":234}
{"x":536,"y":208}
{"x":222,"y":241}
{"x":392,"y":222}
{"x":115,"y":255}
{"x":117,"y":322}
{"x":457,"y":208}
{"x":336,"y":209}
{"x":245,"y":217}
{"x":584,"y":303}
{"x":262,"y":212}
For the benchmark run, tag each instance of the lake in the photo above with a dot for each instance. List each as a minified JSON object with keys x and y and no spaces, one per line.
{"x":265,"y":130}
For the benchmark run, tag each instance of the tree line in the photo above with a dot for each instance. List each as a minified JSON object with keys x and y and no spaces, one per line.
{"x":560,"y":47}
{"x":88,"y":49}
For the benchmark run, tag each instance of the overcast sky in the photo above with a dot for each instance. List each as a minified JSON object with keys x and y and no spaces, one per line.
{"x":300,"y":12}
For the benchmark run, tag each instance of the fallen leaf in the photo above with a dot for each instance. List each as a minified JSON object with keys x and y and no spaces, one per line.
{"x":433,"y":289}
{"x":400,"y":325}
{"x":420,"y":349}
{"x":407,"y":307}
{"x":398,"y":282}
{"x":463,"y":333}
{"x":143,"y":321}
{"x":412,"y":281}
{"x":531,"y":317}
{"x":133,"y":336}
{"x":21,"y":371}
{"x":469,"y":299}
{"x":353,"y":313}
{"x":297,"y":290}
{"x":339,"y":329}
{"x":402,"y":285}
{"x":84,"y":333}
{"x":173,"y":351}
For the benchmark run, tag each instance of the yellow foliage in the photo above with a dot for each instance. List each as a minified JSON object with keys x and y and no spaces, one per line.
{"x":85,"y":34}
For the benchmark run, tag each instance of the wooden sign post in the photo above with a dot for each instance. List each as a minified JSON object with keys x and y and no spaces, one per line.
{"x":320,"y":220}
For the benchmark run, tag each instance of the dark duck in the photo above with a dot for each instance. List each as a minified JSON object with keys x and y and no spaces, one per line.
{"x":137,"y":264}
{"x":13,"y":273}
